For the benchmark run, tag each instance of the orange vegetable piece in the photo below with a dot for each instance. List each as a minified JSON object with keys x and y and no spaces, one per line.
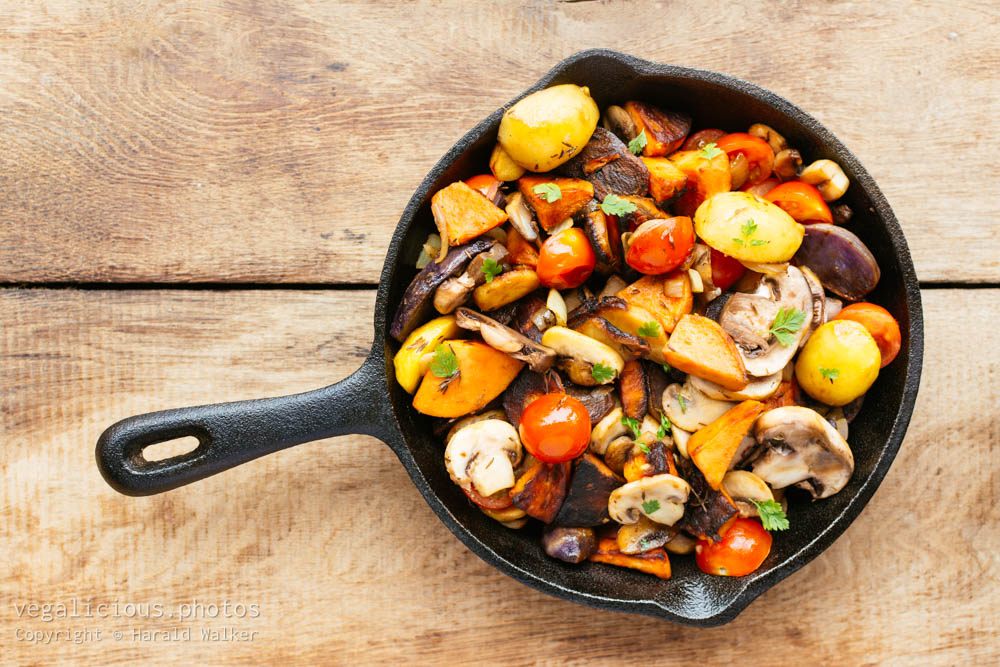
{"x":666,"y":180}
{"x":653,"y":562}
{"x":521,"y":251}
{"x":483,"y":373}
{"x":633,"y":390}
{"x":541,"y":490}
{"x":666,"y":297}
{"x":665,"y":130}
{"x":575,"y":193}
{"x":659,"y":460}
{"x":706,"y":177}
{"x":712,"y":448}
{"x":462,"y":213}
{"x":787,"y":394}
{"x":699,"y":346}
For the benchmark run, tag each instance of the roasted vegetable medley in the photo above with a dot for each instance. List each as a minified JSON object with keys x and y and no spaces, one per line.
{"x":639,"y":335}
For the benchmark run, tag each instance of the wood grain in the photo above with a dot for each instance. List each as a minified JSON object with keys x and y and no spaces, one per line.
{"x":348,"y":565}
{"x":229,"y":140}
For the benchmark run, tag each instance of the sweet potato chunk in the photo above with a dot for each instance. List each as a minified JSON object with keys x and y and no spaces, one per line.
{"x":700,"y":347}
{"x":787,"y":394}
{"x":462,"y":213}
{"x":586,"y":503}
{"x":712,"y":448}
{"x":653,"y":562}
{"x":574,"y":195}
{"x":706,"y":177}
{"x":541,"y":490}
{"x":665,"y":130}
{"x":657,"y":461}
{"x":666,"y":297}
{"x":602,"y":232}
{"x":666,"y":180}
{"x":633,"y":390}
{"x":507,"y":287}
{"x":645,"y":209}
{"x":483,"y":373}
{"x":521,"y":251}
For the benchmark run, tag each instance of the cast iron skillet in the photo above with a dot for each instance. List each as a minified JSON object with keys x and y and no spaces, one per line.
{"x":370,"y":401}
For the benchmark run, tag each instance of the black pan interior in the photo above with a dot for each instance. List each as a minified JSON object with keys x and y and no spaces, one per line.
{"x":690,"y":596}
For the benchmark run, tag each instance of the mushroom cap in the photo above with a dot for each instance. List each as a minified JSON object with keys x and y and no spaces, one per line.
{"x":607,"y":430}
{"x":696,"y":411}
{"x":506,"y":340}
{"x":578,"y":354}
{"x":484,"y":454}
{"x":802,"y":448}
{"x":660,"y":498}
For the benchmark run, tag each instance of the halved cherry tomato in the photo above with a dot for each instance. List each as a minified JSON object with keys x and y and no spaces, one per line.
{"x":801,"y":201}
{"x":659,"y":246}
{"x":757,"y":152}
{"x":566,"y":260}
{"x":725,"y":270}
{"x":762,"y":188}
{"x":879,"y":323}
{"x":498,"y":501}
{"x":702,"y":138}
{"x":487,"y":184}
{"x":555,"y":428}
{"x":743,"y":548}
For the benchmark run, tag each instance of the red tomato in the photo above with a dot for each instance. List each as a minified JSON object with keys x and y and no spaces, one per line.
{"x":555,"y":428}
{"x":701,"y":138}
{"x":498,"y":501}
{"x":762,"y":188}
{"x":566,"y":260}
{"x":659,"y":246}
{"x":757,"y":152}
{"x":743,"y":548}
{"x":725,"y":270}
{"x":801,"y":201}
{"x":487,"y":184}
{"x":880,"y":324}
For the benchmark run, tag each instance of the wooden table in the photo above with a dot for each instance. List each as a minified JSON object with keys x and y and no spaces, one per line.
{"x":195,"y":199}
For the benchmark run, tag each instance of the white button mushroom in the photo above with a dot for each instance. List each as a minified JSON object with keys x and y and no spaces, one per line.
{"x":580,"y":354}
{"x":607,"y":430}
{"x":660,"y":498}
{"x":690,"y":409}
{"x":484,"y":454}
{"x":828,"y":178}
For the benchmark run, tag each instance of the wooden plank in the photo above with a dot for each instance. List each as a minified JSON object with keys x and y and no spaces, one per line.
{"x":346,"y":563}
{"x":243,"y":141}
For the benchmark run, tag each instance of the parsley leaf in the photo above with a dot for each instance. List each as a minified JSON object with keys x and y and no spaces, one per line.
{"x":683,"y":402}
{"x":748,"y":228}
{"x":650,"y":506}
{"x":830,"y":374}
{"x":709,"y":151}
{"x":445,"y":363}
{"x":649,"y":329}
{"x":632,"y":425}
{"x":666,"y":367}
{"x":550,"y":192}
{"x":637,"y":144}
{"x":746,"y":231}
{"x":786,"y":323}
{"x":665,"y":427}
{"x":491,"y":268}
{"x":757,"y":242}
{"x":615,"y":205}
{"x":602,"y":373}
{"x":772,"y":517}
{"x":644,"y":447}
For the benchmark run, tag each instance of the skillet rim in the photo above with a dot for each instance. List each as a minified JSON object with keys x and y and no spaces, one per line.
{"x":756,"y":586}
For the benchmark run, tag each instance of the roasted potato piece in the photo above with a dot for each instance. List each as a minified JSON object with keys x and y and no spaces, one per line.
{"x":713,"y":447}
{"x":653,"y":562}
{"x":748,"y":228}
{"x":541,"y":490}
{"x":548,"y":127}
{"x":586,"y":503}
{"x":626,"y":344}
{"x":409,"y":361}
{"x":483,"y":373}
{"x":503,"y":166}
{"x":574,"y":194}
{"x":507,"y":287}
{"x":700,"y":347}
{"x":666,"y":180}
{"x":666,"y":297}
{"x":461,"y":214}
{"x":707,"y":176}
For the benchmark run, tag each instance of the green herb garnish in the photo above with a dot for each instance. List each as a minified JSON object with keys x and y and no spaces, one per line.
{"x":637,"y":144}
{"x":550,"y":192}
{"x":830,"y":374}
{"x":747,"y":230}
{"x":649,"y":329}
{"x":710,"y":150}
{"x":787,"y":322}
{"x":665,"y":427}
{"x":491,"y":268}
{"x":615,"y":205}
{"x":683,"y":402}
{"x":632,"y":425}
{"x":602,"y":373}
{"x":650,"y":506}
{"x":772,"y":517}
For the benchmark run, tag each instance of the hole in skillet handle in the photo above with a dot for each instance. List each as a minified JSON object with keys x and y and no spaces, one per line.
{"x":169,"y":449}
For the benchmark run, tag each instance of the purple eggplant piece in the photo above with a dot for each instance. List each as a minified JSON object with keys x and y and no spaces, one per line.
{"x":420,"y":294}
{"x":840,"y":260}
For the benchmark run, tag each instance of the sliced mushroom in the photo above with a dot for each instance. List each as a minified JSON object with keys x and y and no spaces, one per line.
{"x":505,"y":339}
{"x":802,"y":448}
{"x":681,"y":438}
{"x":746,"y":450}
{"x":614,"y":285}
{"x":574,"y":297}
{"x":787,"y":164}
{"x":756,"y":390}
{"x":690,"y":409}
{"x":618,"y":453}
{"x":744,"y":488}
{"x":681,"y":544}
{"x":643,"y":535}
{"x":607,"y":430}
{"x":629,"y":346}
{"x":620,"y":122}
{"x":484,"y":454}
{"x":456,"y":291}
{"x":828,"y":178}
{"x":817,"y":315}
{"x":770,"y":135}
{"x":660,"y":498}
{"x":833,"y":308}
{"x":837,"y":417}
{"x":459,"y":424}
{"x":739,"y":170}
{"x":748,"y":319}
{"x":580,"y":354}
{"x":842,"y":262}
{"x":520,"y":217}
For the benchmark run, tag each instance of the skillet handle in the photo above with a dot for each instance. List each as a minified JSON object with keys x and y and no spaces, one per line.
{"x":233,"y":433}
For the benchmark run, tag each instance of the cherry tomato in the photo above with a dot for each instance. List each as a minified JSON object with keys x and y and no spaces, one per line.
{"x":659,"y":246}
{"x":762,"y":188}
{"x":555,"y":428}
{"x":701,"y":138}
{"x":725,"y":270}
{"x":880,"y":324}
{"x":743,"y":548}
{"x":487,"y":184}
{"x":757,"y":152}
{"x":801,"y":201}
{"x":566,"y":260}
{"x":498,"y":501}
